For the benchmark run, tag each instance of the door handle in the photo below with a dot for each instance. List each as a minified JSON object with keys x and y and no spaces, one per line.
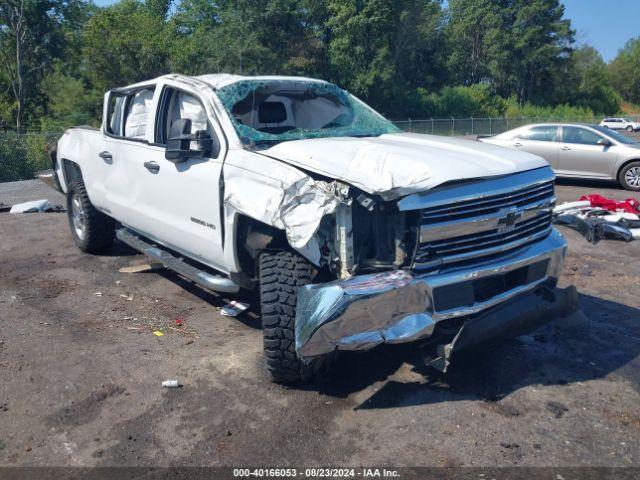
{"x":517,"y":144}
{"x":566,"y":148}
{"x":153,"y":167}
{"x":106,"y":156}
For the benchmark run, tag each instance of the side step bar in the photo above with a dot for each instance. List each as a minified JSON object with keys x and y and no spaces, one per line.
{"x":202,"y":278}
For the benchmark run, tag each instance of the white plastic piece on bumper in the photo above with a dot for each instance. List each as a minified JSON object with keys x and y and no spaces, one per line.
{"x":565,"y":207}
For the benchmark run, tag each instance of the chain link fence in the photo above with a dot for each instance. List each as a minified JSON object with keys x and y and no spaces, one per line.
{"x":484,"y":126}
{"x":22,"y":155}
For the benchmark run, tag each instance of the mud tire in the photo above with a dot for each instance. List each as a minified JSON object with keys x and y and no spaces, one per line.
{"x":281,"y":274}
{"x":97,"y":232}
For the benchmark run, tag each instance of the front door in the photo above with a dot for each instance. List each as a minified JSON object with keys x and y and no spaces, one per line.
{"x":182,"y":200}
{"x":581,"y":155}
{"x":541,"y":140}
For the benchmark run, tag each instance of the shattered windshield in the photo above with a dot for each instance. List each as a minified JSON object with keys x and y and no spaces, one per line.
{"x":271,"y":111}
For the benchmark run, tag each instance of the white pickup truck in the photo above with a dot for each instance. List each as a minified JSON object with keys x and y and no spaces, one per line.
{"x":355,"y":233}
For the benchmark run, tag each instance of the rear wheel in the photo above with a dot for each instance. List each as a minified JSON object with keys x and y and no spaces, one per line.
{"x":629,"y":176}
{"x":91,"y":229}
{"x":281,"y":275}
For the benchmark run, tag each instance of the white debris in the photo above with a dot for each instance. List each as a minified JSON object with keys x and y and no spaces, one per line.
{"x":233,"y":309}
{"x":568,"y":206}
{"x":35,"y":206}
{"x":171,"y":384}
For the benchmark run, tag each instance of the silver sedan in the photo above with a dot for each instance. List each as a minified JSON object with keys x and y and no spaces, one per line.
{"x":577,"y":150}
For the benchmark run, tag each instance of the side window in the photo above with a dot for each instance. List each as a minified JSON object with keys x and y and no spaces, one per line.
{"x":138,"y":113}
{"x":580,"y":136}
{"x":114,"y":115}
{"x":547,"y":133}
{"x":176,"y":105}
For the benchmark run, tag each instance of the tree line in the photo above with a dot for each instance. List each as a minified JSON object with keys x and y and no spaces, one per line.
{"x":407,"y":58}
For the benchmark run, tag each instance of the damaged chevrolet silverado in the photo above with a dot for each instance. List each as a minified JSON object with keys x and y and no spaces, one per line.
{"x":355,"y":233}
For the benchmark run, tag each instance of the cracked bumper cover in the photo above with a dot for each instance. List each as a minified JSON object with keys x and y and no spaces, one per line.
{"x":399,"y":306}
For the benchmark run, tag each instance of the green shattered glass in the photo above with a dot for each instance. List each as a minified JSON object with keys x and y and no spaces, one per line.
{"x":358,"y":120}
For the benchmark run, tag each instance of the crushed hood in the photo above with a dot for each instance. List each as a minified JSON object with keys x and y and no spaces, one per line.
{"x":399,"y":164}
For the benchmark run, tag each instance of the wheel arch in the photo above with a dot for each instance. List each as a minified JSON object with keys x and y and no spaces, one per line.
{"x":252,"y":237}
{"x":71,"y":172}
{"x":624,"y":164}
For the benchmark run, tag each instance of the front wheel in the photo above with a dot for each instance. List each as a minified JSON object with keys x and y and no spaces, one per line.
{"x":629,"y":177}
{"x":629,"y":128}
{"x":92,"y":230}
{"x":281,"y":275}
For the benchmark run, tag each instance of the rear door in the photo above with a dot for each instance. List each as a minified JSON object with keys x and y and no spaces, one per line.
{"x":182,"y":200}
{"x":125,"y":147}
{"x":580,"y":154}
{"x":541,"y":140}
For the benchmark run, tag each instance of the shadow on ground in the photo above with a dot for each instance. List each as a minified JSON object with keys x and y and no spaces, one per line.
{"x":598,"y":341}
{"x":590,"y":345}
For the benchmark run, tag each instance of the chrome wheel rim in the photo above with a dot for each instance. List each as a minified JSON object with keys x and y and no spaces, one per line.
{"x":632,"y":177}
{"x":77,"y":216}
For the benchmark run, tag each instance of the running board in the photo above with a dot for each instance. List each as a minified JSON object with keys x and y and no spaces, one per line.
{"x":202,"y":278}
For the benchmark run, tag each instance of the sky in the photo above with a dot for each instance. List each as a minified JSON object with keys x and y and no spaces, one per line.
{"x":603,"y":24}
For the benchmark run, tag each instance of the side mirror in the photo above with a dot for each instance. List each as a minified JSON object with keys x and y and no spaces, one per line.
{"x":179,"y":141}
{"x":604,"y":142}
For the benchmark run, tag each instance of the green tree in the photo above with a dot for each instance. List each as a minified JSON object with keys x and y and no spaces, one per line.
{"x":379,"y":49}
{"x":127,"y":42}
{"x":540,"y":44}
{"x":32,"y":36}
{"x":477,"y":100}
{"x":624,"y":71}
{"x":247,"y":37}
{"x":478,"y":40}
{"x":592,"y":88}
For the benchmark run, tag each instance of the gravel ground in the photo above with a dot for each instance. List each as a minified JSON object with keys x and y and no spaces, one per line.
{"x":82,"y":372}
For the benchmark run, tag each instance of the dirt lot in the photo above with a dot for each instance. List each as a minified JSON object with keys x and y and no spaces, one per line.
{"x":82,"y":372}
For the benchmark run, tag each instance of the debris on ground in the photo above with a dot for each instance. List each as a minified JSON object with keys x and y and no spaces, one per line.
{"x":599,"y":218}
{"x":630,"y":205}
{"x":171,"y":384}
{"x":179,"y":321}
{"x":233,"y":308}
{"x":144,"y":267}
{"x":35,"y":206}
{"x":98,"y":294}
{"x":158,"y":333}
{"x":128,"y":297}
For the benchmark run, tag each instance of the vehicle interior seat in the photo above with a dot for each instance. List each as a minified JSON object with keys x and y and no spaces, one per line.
{"x":270,"y":113}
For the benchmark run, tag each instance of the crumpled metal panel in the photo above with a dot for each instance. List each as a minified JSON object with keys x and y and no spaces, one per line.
{"x":396,"y":165}
{"x":278,"y":195}
{"x":397,"y":306}
{"x":362,"y":312}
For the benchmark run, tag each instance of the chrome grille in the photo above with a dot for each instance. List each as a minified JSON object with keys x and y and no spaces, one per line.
{"x":481,"y":227}
{"x":472,"y":208}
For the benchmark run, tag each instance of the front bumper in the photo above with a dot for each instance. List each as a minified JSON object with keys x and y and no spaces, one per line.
{"x":399,"y":306}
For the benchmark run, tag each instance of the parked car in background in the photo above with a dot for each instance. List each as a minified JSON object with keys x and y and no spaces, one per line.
{"x":578,"y":150}
{"x":620,"y":124}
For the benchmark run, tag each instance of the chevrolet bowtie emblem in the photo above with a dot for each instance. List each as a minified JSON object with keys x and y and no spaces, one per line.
{"x":508,"y":222}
